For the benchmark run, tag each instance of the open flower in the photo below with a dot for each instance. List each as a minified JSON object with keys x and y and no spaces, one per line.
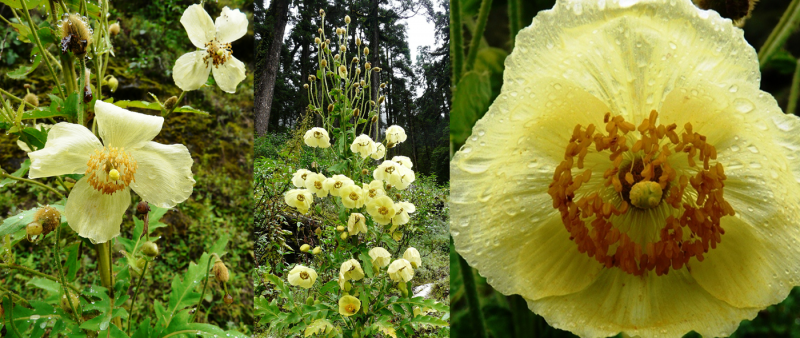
{"x":335,"y":184}
{"x":302,"y":276}
{"x":395,"y":174}
{"x":363,"y":145}
{"x":374,"y":190}
{"x":380,"y":257}
{"x":126,"y":159}
{"x":299,"y":177}
{"x":351,"y":270}
{"x":381,"y":209}
{"x":300,"y":199}
{"x":317,"y":137}
{"x":315,"y":184}
{"x":356,"y":223}
{"x":605,"y":106}
{"x":413,"y":257}
{"x":403,"y":209}
{"x":404,"y":160}
{"x":353,"y":196}
{"x":394,"y":135}
{"x":380,"y":151}
{"x":401,"y":271}
{"x":214,"y":39}
{"x":349,"y":305}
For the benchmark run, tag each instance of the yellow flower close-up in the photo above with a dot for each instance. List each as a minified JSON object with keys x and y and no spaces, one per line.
{"x":356,"y":224}
{"x":302,"y":276}
{"x":353,"y":196}
{"x":631,"y":176}
{"x":300,"y":199}
{"x":351,"y":270}
{"x":363,"y":145}
{"x":380,"y":257}
{"x":349,"y":305}
{"x":401,"y":271}
{"x":413,"y":257}
{"x":299,"y":177}
{"x":373,"y":190}
{"x":316,"y":184}
{"x":126,"y":159}
{"x":382,"y":209}
{"x":317,"y":138}
{"x":394,"y":135}
{"x":335,"y":183}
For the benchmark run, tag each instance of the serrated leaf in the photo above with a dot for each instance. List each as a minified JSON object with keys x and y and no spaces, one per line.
{"x":24,"y":70}
{"x":17,"y":222}
{"x":50,"y":286}
{"x":430,"y":321}
{"x":183,"y":293}
{"x":385,"y":328}
{"x":70,"y":107}
{"x":329,"y":287}
{"x":319,"y":326}
{"x":42,"y":113}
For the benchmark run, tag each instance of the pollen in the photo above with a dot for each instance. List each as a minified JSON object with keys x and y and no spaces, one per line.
{"x":110,"y":170}
{"x":685,"y":207}
{"x":218,"y":53}
{"x":350,"y":308}
{"x":304,"y":275}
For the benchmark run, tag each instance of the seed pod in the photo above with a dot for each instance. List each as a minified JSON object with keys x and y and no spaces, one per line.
{"x":321,"y":13}
{"x":142,"y":208}
{"x":113,"y":29}
{"x":310,"y":301}
{"x":366,"y":50}
{"x":220,"y":271}
{"x":150,"y":249}
{"x":317,"y":41}
{"x":358,"y":41}
{"x":228,"y":299}
{"x":305,"y":248}
{"x":32,"y":99}
{"x":48,"y":217}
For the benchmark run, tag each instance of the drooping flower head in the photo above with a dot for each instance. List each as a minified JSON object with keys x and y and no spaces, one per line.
{"x":363,"y":145}
{"x":300,"y":199}
{"x":404,"y":160}
{"x":351,"y":270}
{"x":349,"y":305}
{"x":380,"y":151}
{"x":631,"y":176}
{"x":302,"y":276}
{"x":317,"y":137}
{"x":394,"y":135}
{"x":335,"y":184}
{"x":401,"y":271}
{"x":380,"y":257}
{"x":412,"y":256}
{"x":356,"y":224}
{"x":403,"y":209}
{"x":125,"y":159}
{"x":214,"y":39}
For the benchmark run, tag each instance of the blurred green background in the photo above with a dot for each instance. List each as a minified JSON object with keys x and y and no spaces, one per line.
{"x":508,"y":316}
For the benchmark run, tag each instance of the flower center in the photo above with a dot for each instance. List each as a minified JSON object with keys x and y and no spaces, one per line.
{"x":304,"y":275}
{"x":353,"y":196}
{"x":110,"y":170}
{"x":317,"y":134}
{"x":300,"y":197}
{"x":373,"y":192}
{"x":318,"y":184}
{"x":217,"y":52}
{"x":383,"y":210}
{"x":337,"y":185}
{"x":643,"y":215}
{"x":350,"y":308}
{"x":303,"y":176}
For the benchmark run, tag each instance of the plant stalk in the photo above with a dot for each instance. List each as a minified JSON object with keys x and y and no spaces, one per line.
{"x":781,"y":32}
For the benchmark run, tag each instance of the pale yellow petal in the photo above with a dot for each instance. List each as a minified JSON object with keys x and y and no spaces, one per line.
{"x":95,"y":215}
{"x":164,"y":176}
{"x":191,"y":71}
{"x":198,"y":25}
{"x":123,"y":128}
{"x":66,"y":151}
{"x":229,"y":74}
{"x":231,"y":25}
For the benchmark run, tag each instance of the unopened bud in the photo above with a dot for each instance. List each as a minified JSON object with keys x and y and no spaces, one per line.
{"x":48,"y":217}
{"x":327,"y":42}
{"x":318,"y":231}
{"x":337,"y":57}
{"x":305,"y":86}
{"x":319,"y":30}
{"x":228,"y":299}
{"x":340,"y":228}
{"x":343,"y":48}
{"x":358,"y":41}
{"x":312,"y":78}
{"x":220,"y":271}
{"x":366,"y":50}
{"x":356,"y":111}
{"x":347,"y":19}
{"x":317,"y":41}
{"x":113,"y":30}
{"x":323,"y":63}
{"x":363,"y":84}
{"x":355,"y":60}
{"x":305,"y":248}
{"x":383,"y":85}
{"x":321,"y":12}
{"x":316,"y":250}
{"x":367,"y":66}
{"x":343,"y":235}
{"x":113,"y":84}
{"x":381,"y":99}
{"x":364,"y":172}
{"x":33,"y":229}
{"x":170,"y":103}
{"x":376,"y":69}
{"x":31,"y":99}
{"x":388,"y":186}
{"x":397,"y":196}
{"x":374,"y":118}
{"x":310,"y":301}
{"x":342,"y":71}
{"x":75,"y":35}
{"x":69,"y":297}
{"x":142,"y":208}
{"x":330,"y":107}
{"x":150,"y":249}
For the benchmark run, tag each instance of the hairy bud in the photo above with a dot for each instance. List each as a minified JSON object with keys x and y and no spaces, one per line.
{"x":366,"y":50}
{"x":113,"y":29}
{"x":220,"y":271}
{"x":358,"y":41}
{"x":32,"y":99}
{"x":323,"y":63}
{"x":142,"y":208}
{"x":317,"y":250}
{"x":170,"y":103}
{"x":347,"y":19}
{"x":76,"y":36}
{"x":150,"y":249}
{"x":48,"y":217}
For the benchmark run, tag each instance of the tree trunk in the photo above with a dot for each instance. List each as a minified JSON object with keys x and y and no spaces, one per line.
{"x":278,"y":14}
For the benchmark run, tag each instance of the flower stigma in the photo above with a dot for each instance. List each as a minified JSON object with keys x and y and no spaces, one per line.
{"x":217,"y":52}
{"x":641,"y":183}
{"x":110,"y":170}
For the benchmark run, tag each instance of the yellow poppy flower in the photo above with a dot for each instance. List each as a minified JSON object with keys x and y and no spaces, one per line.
{"x":395,"y":174}
{"x":317,"y":137}
{"x":363,"y":145}
{"x":554,"y":195}
{"x":353,"y":197}
{"x":403,"y":209}
{"x":413,"y":257}
{"x":300,"y":199}
{"x":302,"y":276}
{"x":373,"y":190}
{"x":382,"y":210}
{"x":401,"y":271}
{"x":351,"y":270}
{"x":394,"y":135}
{"x":349,"y":305}
{"x":404,"y":160}
{"x":315,"y":184}
{"x":335,"y":184}
{"x":356,"y":224}
{"x":299,"y":177}
{"x":380,"y":151}
{"x":380,"y":257}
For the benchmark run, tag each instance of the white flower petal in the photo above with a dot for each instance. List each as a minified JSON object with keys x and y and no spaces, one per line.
{"x":95,"y":215}
{"x":198,"y":25}
{"x":66,"y":151}
{"x":164,"y":176}
{"x":191,"y":71}
{"x":123,"y":128}
{"x":229,"y":74}
{"x":231,"y":25}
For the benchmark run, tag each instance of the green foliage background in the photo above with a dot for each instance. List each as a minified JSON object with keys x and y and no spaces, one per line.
{"x":221,"y":144}
{"x":508,"y":316}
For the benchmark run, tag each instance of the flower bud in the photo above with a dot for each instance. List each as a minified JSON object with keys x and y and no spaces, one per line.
{"x":376,"y":69}
{"x":340,"y":228}
{"x":375,"y":119}
{"x":367,"y":66}
{"x":31,"y":99}
{"x":305,"y":248}
{"x":347,"y":19}
{"x":312,"y":78}
{"x":347,"y":286}
{"x":317,"y":250}
{"x":33,"y":229}
{"x":170,"y":103}
{"x":343,"y":235}
{"x":310,"y":301}
{"x":337,"y":57}
{"x":358,"y":41}
{"x":319,"y":30}
{"x":343,"y":48}
{"x":323,"y":63}
{"x":356,"y":111}
{"x":48,"y":217}
{"x":69,"y":297}
{"x":330,"y":107}
{"x":318,"y":231}
{"x":150,"y":249}
{"x":366,"y":50}
{"x":403,"y":288}
{"x":381,"y":99}
{"x":113,"y":83}
{"x":317,"y":41}
{"x":305,"y":86}
{"x":113,"y":29}
{"x":142,"y":208}
{"x":321,"y":13}
{"x":228,"y":299}
{"x":383,"y":85}
{"x":364,"y":172}
{"x":220,"y":271}
{"x":397,"y":196}
{"x":363,"y":84}
{"x":76,"y":36}
{"x":327,"y":42}
{"x":388,"y":186}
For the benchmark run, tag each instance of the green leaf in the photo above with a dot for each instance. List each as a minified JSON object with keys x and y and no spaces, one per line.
{"x":24,"y":70}
{"x":189,"y":109}
{"x":92,"y":8}
{"x":181,"y":325}
{"x":138,"y":104}
{"x":319,"y":326}
{"x":17,"y":222}
{"x":101,"y":303}
{"x":329,"y":287}
{"x":70,"y":107}
{"x":19,"y":173}
{"x":430,"y":321}
{"x":42,"y":113}
{"x":384,"y":326}
{"x":36,"y":137}
{"x":470,"y":101}
{"x":18,"y":5}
